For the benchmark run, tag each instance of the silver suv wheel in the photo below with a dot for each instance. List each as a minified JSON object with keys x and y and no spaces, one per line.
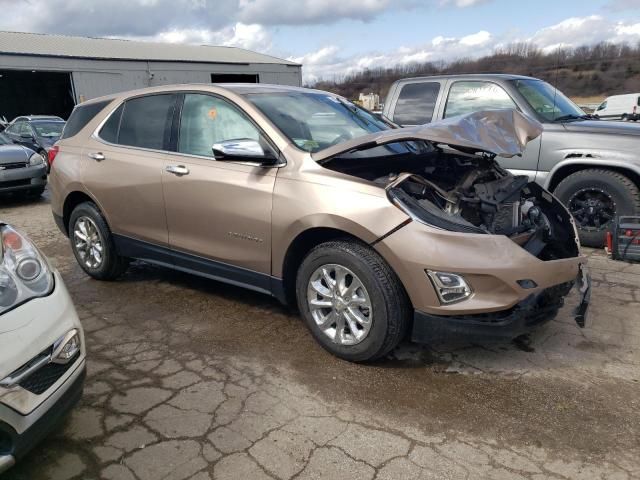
{"x":88,"y":242}
{"x":339,"y":304}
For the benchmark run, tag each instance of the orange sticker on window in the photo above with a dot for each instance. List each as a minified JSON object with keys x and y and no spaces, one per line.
{"x":212,"y":114}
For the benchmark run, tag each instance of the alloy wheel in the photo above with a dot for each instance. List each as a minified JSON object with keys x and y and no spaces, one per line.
{"x":592,"y":208}
{"x":88,"y":242}
{"x":339,"y":304}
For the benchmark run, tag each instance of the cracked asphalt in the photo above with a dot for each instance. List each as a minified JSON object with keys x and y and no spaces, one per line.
{"x":190,"y":378}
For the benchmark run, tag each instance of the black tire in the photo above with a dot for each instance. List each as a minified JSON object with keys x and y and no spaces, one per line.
{"x":390,"y":305}
{"x":112,"y":265}
{"x":621,"y":190}
{"x":624,"y":118}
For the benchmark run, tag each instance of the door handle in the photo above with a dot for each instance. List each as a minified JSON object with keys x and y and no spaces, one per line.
{"x":97,"y":156}
{"x":178,"y":170}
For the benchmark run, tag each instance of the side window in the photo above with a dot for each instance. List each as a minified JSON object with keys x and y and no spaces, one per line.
{"x":80,"y":116}
{"x":110,"y":129}
{"x":146,"y":121}
{"x":638,"y":102}
{"x":15,"y":129}
{"x":207,"y":120}
{"x":416,"y":103}
{"x":469,"y":97}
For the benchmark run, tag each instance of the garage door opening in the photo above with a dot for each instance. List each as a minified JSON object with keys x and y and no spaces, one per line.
{"x":234,"y":78}
{"x":23,"y":92}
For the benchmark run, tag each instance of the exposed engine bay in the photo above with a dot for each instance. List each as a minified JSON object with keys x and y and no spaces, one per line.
{"x":472,"y":194}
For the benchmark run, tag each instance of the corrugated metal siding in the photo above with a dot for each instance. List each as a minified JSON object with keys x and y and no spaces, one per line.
{"x":84,"y":47}
{"x":94,"y":78}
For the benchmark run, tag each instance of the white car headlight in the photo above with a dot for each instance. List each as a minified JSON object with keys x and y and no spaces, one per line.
{"x":24,"y":273}
{"x":36,"y":159}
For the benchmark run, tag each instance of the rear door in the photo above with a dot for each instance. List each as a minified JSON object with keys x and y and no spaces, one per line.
{"x":468,"y":96}
{"x":218,"y":213}
{"x":124,"y":168}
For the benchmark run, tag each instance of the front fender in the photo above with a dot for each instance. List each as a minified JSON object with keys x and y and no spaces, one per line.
{"x":618,"y":161}
{"x":363,"y":215}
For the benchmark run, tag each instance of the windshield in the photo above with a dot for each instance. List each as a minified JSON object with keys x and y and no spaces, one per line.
{"x":550,"y":103}
{"x":314,"y":120}
{"x":48,"y":129}
{"x":4,"y":140}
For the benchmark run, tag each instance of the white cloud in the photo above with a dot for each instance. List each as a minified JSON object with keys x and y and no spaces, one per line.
{"x":475,"y":39}
{"x":463,"y":3}
{"x":572,"y":32}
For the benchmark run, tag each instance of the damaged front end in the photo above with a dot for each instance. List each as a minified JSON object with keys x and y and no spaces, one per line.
{"x":445,"y":175}
{"x":475,"y":195}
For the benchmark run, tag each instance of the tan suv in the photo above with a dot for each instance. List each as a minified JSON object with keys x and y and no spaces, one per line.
{"x":374,"y":231}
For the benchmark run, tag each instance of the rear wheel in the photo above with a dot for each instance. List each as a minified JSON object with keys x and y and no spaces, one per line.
{"x":595,"y":197}
{"x":92,"y":243}
{"x":353,"y":303}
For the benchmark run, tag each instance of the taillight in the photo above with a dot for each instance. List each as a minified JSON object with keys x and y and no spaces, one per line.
{"x":51,"y":154}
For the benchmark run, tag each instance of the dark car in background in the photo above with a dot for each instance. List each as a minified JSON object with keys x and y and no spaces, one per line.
{"x":37,"y":132}
{"x":22,"y":171}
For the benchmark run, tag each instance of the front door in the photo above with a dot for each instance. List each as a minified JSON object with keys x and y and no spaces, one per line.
{"x":123,"y":169}
{"x":218,"y":213}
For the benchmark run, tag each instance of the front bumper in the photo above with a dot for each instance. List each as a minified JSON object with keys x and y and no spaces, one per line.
{"x":29,"y":409}
{"x":530,"y":313}
{"x":494,"y":266}
{"x":14,"y":445}
{"x":26,"y":178}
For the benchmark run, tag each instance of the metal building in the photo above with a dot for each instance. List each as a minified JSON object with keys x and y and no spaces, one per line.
{"x":49,"y":74}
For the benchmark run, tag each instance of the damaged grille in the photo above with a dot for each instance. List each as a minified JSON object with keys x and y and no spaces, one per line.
{"x":546,"y":303}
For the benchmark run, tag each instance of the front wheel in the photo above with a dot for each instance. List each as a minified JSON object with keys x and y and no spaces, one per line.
{"x":92,"y":243}
{"x":351,"y":300}
{"x":595,"y":197}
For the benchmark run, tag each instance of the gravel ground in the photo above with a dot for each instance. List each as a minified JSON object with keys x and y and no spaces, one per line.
{"x":189,"y":378}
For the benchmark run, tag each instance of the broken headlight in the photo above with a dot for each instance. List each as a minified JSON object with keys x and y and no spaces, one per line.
{"x":24,"y":273}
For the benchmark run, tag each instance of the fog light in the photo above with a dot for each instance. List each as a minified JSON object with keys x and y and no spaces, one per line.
{"x":66,"y":347}
{"x":450,"y":287}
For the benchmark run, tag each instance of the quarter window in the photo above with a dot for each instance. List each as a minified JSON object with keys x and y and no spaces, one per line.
{"x":109,"y":131}
{"x":207,"y":120}
{"x":416,"y":103}
{"x":146,"y":121}
{"x":469,"y":97}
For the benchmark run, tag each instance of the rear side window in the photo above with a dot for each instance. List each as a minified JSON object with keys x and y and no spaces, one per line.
{"x":109,"y":131}
{"x":146,"y":121}
{"x":80,"y":116}
{"x":416,"y":103}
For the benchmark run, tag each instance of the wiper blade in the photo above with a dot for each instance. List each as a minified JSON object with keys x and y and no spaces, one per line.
{"x":571,"y":116}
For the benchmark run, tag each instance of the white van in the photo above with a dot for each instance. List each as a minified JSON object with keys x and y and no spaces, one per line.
{"x":620,"y":107}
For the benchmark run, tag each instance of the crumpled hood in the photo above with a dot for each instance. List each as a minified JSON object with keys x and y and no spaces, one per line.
{"x":500,"y":132}
{"x":603,"y":126}
{"x":14,"y":154}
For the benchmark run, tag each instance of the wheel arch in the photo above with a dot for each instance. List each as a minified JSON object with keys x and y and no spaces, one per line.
{"x":563,"y":169}
{"x":299,"y":247}
{"x":71,"y":201}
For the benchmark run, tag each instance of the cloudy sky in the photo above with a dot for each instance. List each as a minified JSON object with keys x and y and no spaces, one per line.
{"x":334,"y":37}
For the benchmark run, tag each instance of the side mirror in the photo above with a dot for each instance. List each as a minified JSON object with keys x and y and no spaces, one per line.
{"x":242,"y":150}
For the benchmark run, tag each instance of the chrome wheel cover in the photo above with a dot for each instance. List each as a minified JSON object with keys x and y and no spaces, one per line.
{"x":339,"y":304}
{"x":88,"y":242}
